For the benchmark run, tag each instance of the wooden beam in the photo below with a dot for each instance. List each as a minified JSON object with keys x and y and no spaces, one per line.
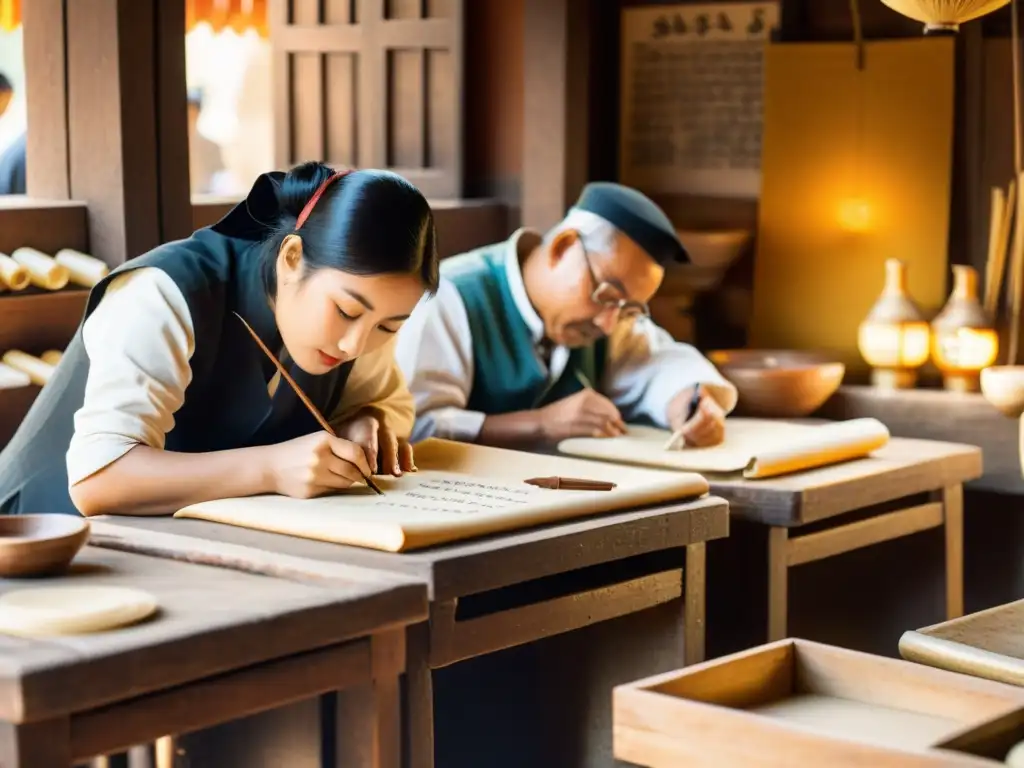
{"x":112,"y":123}
{"x":172,"y":121}
{"x":46,"y":164}
{"x":556,"y":52}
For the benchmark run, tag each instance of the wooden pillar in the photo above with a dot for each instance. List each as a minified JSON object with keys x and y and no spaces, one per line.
{"x":46,"y":162}
{"x":175,"y":196}
{"x":556,"y":108}
{"x":126,"y":124}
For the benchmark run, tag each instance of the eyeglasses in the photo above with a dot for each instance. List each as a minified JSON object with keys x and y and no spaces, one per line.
{"x":609,"y":295}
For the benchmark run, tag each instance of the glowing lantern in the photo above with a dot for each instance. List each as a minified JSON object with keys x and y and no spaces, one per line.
{"x":10,"y":15}
{"x":893,"y":339}
{"x":944,"y":16}
{"x":963,"y":339}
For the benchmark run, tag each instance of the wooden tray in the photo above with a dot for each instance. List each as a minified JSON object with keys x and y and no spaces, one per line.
{"x":797,"y":703}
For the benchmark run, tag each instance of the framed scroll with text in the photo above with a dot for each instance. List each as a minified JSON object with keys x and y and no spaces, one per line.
{"x":691,"y":109}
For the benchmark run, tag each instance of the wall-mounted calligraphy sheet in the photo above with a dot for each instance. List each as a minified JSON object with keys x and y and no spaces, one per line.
{"x":692,"y":97}
{"x":460,"y":491}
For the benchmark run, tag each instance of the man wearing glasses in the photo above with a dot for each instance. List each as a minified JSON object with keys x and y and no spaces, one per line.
{"x":542,"y":338}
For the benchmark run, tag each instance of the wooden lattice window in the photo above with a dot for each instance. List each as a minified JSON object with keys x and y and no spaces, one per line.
{"x":371,"y":83}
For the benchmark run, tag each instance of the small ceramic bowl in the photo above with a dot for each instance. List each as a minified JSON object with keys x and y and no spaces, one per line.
{"x":36,"y":545}
{"x":1003,"y":386}
{"x":779,"y":383}
{"x":716,"y":249}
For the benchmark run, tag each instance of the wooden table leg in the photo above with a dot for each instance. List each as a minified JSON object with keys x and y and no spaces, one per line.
{"x":420,"y":697}
{"x":953,"y":518}
{"x":44,"y":744}
{"x":693,"y":604}
{"x":369,"y":721}
{"x":778,"y":582}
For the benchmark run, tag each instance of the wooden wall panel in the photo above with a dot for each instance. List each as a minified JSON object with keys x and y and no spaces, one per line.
{"x":339,"y":95}
{"x":398,"y":68}
{"x":175,"y":205}
{"x":46,"y":164}
{"x":494,"y":101}
{"x":556,"y":108}
{"x":112,"y":124}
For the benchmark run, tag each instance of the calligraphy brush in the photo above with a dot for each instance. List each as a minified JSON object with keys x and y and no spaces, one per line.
{"x":302,"y":395}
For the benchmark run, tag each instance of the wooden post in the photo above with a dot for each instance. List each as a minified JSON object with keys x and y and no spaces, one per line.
{"x":46,"y":165}
{"x":556,"y":108}
{"x":175,"y":196}
{"x":112,"y":123}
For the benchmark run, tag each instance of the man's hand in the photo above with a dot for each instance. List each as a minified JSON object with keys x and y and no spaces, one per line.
{"x":383,"y":449}
{"x":707,"y":427}
{"x":585,"y":414}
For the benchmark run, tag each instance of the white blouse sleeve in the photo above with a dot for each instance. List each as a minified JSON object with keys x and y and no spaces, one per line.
{"x":376,"y":380}
{"x":139,"y":341}
{"x":647,"y":368}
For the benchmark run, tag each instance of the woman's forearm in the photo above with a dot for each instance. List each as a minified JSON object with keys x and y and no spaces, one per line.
{"x":148,"y":481}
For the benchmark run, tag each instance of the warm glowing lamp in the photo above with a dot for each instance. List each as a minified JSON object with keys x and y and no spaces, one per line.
{"x":944,"y":16}
{"x":854,"y":214}
{"x":963,"y":339}
{"x":893,"y":339}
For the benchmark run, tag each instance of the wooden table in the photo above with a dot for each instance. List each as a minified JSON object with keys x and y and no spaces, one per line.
{"x":935,"y":414}
{"x":906,"y":487}
{"x":987,"y":644}
{"x":224,"y":645}
{"x":490,"y":594}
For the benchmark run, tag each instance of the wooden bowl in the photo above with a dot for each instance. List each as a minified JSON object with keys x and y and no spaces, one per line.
{"x":779,"y":383}
{"x":716,"y":249}
{"x":1003,"y":386}
{"x":35,"y":545}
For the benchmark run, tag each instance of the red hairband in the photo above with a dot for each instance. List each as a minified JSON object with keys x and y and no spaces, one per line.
{"x":308,"y":207}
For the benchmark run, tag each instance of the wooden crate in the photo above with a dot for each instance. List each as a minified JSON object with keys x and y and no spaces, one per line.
{"x":798,"y":703}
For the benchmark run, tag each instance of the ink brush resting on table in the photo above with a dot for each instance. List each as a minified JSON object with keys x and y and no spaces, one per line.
{"x":302,"y":395}
{"x":691,"y":411}
{"x":570,"y":484}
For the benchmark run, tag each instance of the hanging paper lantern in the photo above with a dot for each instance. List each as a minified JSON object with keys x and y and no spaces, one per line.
{"x":944,"y":16}
{"x":248,"y":14}
{"x":10,"y":15}
{"x":238,"y":15}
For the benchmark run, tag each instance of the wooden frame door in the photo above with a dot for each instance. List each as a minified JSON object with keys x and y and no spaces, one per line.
{"x":371,"y":84}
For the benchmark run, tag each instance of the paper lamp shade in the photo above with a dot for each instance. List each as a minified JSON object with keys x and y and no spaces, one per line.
{"x":944,"y":15}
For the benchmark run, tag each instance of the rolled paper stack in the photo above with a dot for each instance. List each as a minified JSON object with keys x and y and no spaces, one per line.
{"x":43,"y":272}
{"x":37,"y":371}
{"x":52,"y":357}
{"x":11,"y":378}
{"x":13,"y":276}
{"x":83,"y":269}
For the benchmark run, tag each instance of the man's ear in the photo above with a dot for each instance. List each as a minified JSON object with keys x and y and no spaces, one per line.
{"x":561,"y":244}
{"x":289,"y":258}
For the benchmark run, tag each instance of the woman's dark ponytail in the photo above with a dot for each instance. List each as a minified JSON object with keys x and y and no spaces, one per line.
{"x":366,"y":222}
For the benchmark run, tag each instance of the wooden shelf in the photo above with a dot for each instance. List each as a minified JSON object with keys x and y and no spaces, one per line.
{"x":48,"y":225}
{"x":40,"y":320}
{"x":934,"y":414}
{"x":14,"y":404}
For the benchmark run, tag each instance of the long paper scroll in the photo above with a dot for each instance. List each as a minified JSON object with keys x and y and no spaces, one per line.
{"x":756,"y":447}
{"x":461,"y":491}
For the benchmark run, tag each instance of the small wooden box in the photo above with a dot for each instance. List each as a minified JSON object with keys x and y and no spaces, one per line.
{"x":798,"y":703}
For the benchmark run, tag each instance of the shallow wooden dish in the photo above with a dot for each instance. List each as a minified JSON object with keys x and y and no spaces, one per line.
{"x":714,"y":248}
{"x":1003,"y":387}
{"x":797,"y":703}
{"x":36,"y":545}
{"x":779,"y":383}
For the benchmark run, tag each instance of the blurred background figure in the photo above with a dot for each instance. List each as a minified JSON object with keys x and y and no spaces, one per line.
{"x":12,"y":159}
{"x":205,"y":159}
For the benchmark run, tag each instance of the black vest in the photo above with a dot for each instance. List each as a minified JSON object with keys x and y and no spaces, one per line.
{"x":226,"y":404}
